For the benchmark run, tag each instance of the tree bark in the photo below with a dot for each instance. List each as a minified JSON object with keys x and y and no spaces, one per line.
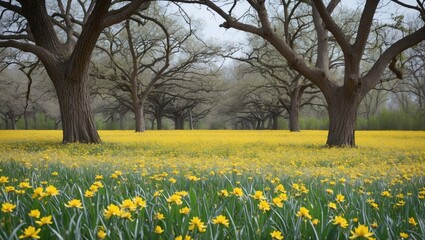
{"x":342,"y":120}
{"x":77,"y":118}
{"x":294,"y":124}
{"x":158,"y":122}
{"x":140,"y":119}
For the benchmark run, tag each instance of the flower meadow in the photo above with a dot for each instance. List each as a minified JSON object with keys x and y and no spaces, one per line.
{"x":212,"y":185}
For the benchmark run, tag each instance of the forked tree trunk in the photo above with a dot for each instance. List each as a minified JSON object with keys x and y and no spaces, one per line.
{"x":140,"y":119}
{"x":342,"y":121}
{"x":77,"y":118}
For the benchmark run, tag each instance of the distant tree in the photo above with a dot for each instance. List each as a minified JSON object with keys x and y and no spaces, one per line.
{"x":63,"y":37}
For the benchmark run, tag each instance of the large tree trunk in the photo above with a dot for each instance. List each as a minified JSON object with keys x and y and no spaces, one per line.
{"x":294,"y":124}
{"x":77,"y":118}
{"x":140,"y":119}
{"x":342,"y":120}
{"x":158,"y":122}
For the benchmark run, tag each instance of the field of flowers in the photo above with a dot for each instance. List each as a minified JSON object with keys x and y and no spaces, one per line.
{"x":212,"y":185}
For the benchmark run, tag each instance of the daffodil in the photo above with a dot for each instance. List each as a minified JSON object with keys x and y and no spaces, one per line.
{"x":30,"y":232}
{"x":238,"y":192}
{"x":74,"y":203}
{"x":220,"y":219}
{"x":361,"y":231}
{"x":341,"y":221}
{"x":101,"y":234}
{"x":111,"y":210}
{"x":44,"y":221}
{"x":264,"y":206}
{"x":7,"y":207}
{"x":158,"y":229}
{"x":35,"y":213}
{"x":184,"y":210}
{"x":196,"y":223}
{"x":276,"y":235}
{"x":304,"y":213}
{"x":51,"y":191}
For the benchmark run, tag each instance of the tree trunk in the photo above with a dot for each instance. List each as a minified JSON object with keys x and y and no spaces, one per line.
{"x":275,"y":122}
{"x":26,"y":120}
{"x":76,"y":115}
{"x":158,"y":122}
{"x":190,"y":119}
{"x":13,"y":122}
{"x":342,"y":120}
{"x":294,"y":124}
{"x":140,"y":119}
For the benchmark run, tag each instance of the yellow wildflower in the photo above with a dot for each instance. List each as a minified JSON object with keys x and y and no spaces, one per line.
{"x":177,"y":199}
{"x":332,"y":205}
{"x":340,"y":198}
{"x":412,"y":221}
{"x":158,"y":229}
{"x":329,"y":191}
{"x":128,"y":204}
{"x":361,"y":231}
{"x":315,"y":221}
{"x":220,"y":219}
{"x":51,"y":191}
{"x":38,"y":193}
{"x":98,"y":177}
{"x":139,"y":202}
{"x":238,"y":191}
{"x":89,"y":194}
{"x":264,"y":206}
{"x":34,"y":213}
{"x":258,"y":195}
{"x":111,"y":210}
{"x":4,"y":179}
{"x":278,"y":202}
{"x":24,"y":185}
{"x":74,"y":203}
{"x":184,"y":210}
{"x":7,"y":207}
{"x":30,"y":232}
{"x":276,"y":235}
{"x":159,"y":216}
{"x":404,"y":235}
{"x":44,"y":221}
{"x":101,"y":234}
{"x":341,"y":221}
{"x":303,"y":212}
{"x":223,"y":193}
{"x":196,"y":222}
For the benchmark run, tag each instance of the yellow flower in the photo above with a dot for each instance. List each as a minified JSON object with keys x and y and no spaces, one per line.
{"x":238,"y":192}
{"x":51,"y":191}
{"x":74,"y":203}
{"x":55,"y":174}
{"x":34,"y":213}
{"x":220,"y":219}
{"x":125,"y":214}
{"x":158,"y":229}
{"x":184,"y":210}
{"x":9,"y":188}
{"x":177,"y":199}
{"x":159,"y":216}
{"x":111,"y":210}
{"x":303,"y":212}
{"x":98,"y":177}
{"x":258,"y":195}
{"x":374,"y":225}
{"x":412,"y":221}
{"x":280,"y":188}
{"x":88,"y":194}
{"x":332,"y":205}
{"x":30,"y":232}
{"x":276,"y":235}
{"x":172,"y":180}
{"x":38,"y":193}
{"x":193,"y":178}
{"x":386,"y":194}
{"x":340,"y":198}
{"x":44,"y":221}
{"x":139,"y":202}
{"x":404,"y":235}
{"x":101,"y":234}
{"x":338,"y":220}
{"x":25,"y":185}
{"x":7,"y":207}
{"x":278,"y":202}
{"x":98,"y":184}
{"x":315,"y":221}
{"x":264,"y":206}
{"x":196,"y":222}
{"x":223,"y":193}
{"x":361,"y":231}
{"x":157,"y":193}
{"x":128,"y":204}
{"x":94,"y":188}
{"x":4,"y":179}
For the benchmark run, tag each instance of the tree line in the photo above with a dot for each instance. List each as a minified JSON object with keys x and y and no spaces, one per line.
{"x":150,"y":60}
